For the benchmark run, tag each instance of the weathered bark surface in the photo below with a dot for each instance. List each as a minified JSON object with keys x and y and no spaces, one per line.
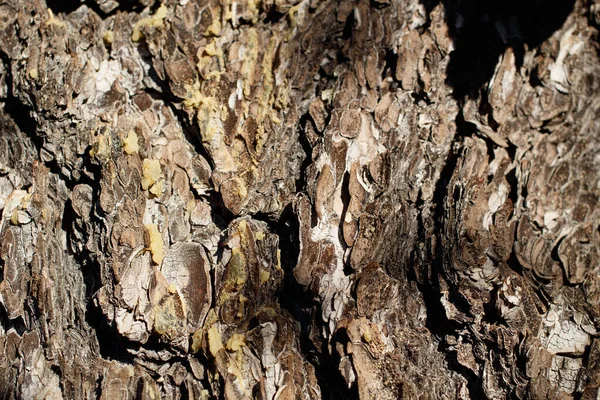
{"x":299,"y":199}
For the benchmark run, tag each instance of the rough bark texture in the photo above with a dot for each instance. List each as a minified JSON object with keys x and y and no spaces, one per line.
{"x":299,"y":199}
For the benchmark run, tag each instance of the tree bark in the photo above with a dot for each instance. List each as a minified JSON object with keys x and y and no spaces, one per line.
{"x":299,"y":199}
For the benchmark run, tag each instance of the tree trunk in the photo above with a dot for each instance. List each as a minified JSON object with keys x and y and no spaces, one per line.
{"x":299,"y":199}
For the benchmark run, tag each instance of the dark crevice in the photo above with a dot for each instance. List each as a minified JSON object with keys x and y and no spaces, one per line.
{"x":489,"y":309}
{"x":464,"y":128}
{"x":61,"y":383}
{"x":220,"y":215}
{"x":307,"y":148}
{"x":459,"y":300}
{"x":513,"y":262}
{"x":513,"y":183}
{"x":112,"y":345}
{"x":68,"y":7}
{"x":437,"y":321}
{"x":416,"y":274}
{"x":18,"y":323}
{"x":390,"y":64}
{"x":333,"y":385}
{"x":421,"y":96}
{"x":68,"y":223}
{"x":490,"y":146}
{"x":483,"y":30}
{"x":99,"y":386}
{"x":534,"y":78}
{"x":378,"y":4}
{"x":190,"y":131}
{"x":185,"y":394}
{"x":485,"y":110}
{"x":306,"y":310}
{"x":273,"y":15}
{"x":554,"y":252}
{"x":345,"y":195}
{"x":139,"y":390}
{"x":511,"y":149}
{"x":474,"y":383}
{"x":589,"y":366}
{"x":272,"y":220}
{"x":21,"y":115}
{"x":348,"y":27}
{"x":156,"y":344}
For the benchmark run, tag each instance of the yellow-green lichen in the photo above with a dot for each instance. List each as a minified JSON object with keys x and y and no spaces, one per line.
{"x":234,"y":370}
{"x":155,"y":21}
{"x":52,"y":20}
{"x":101,"y":147}
{"x":108,"y":37}
{"x":198,"y":337}
{"x":156,"y":243}
{"x":239,"y":188}
{"x":151,"y":173}
{"x":197,"y":340}
{"x":130,"y":143}
{"x":250,"y":59}
{"x":293,"y":15}
{"x":236,"y":270}
{"x":210,"y":122}
{"x":235,"y":342}
{"x":327,"y":95}
{"x":158,"y":188}
{"x":254,"y":9}
{"x":266,"y":99}
{"x":264,"y":276}
{"x":194,"y":99}
{"x":367,"y":334}
{"x":168,"y":316}
{"x":214,"y":28}
{"x":214,"y":340}
{"x":205,"y":57}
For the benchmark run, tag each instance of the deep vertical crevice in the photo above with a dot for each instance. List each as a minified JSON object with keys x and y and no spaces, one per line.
{"x":301,"y":181}
{"x":437,"y":321}
{"x":306,"y":310}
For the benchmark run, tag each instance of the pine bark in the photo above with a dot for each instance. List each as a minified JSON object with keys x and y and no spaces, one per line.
{"x":288,"y":199}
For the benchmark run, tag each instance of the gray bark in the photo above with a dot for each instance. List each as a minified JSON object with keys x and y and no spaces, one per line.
{"x":299,"y":199}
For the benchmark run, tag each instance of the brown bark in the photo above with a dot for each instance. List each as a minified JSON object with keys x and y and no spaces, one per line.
{"x":299,"y":199}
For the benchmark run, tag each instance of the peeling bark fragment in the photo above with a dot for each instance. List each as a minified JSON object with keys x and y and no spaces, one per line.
{"x":186,"y":267}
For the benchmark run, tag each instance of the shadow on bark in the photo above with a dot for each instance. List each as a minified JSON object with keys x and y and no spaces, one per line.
{"x":67,"y":7}
{"x":306,"y":309}
{"x":483,"y":30}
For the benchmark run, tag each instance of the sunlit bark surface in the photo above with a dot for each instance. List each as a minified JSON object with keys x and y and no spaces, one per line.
{"x":310,"y":199}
